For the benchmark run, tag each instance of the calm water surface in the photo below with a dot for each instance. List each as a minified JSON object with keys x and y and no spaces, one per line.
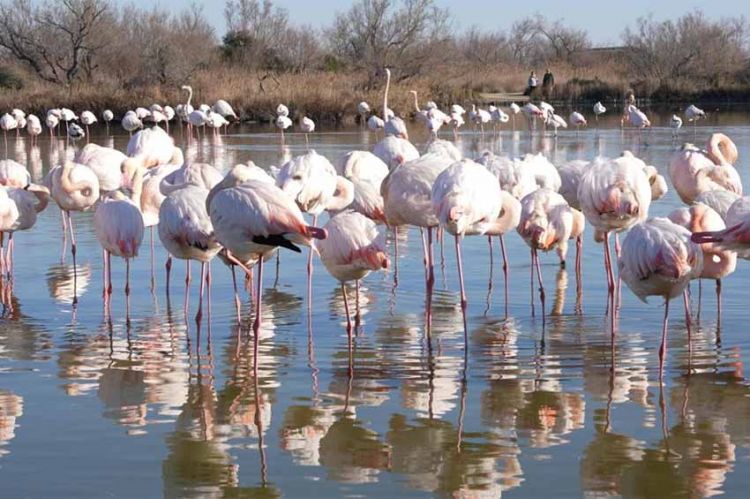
{"x":165,"y":407}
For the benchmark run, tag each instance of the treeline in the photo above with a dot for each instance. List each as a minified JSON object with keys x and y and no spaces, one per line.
{"x":97,"y":51}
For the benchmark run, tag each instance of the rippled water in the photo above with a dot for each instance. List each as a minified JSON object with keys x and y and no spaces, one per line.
{"x":162,"y":406}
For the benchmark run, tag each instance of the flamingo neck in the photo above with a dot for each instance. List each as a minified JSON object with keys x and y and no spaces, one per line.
{"x":385,"y":95}
{"x":343,"y":196}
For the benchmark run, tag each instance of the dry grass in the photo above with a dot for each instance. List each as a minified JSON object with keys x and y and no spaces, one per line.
{"x":333,"y":97}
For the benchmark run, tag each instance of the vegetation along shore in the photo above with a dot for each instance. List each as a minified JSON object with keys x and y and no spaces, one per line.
{"x":95,"y":54}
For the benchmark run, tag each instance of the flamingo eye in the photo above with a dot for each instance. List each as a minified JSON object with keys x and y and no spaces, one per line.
{"x":297,"y":177}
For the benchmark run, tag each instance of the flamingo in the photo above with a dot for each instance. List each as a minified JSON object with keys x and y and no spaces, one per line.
{"x":223,"y":108}
{"x":250,"y":220}
{"x":216,"y":121}
{"x":497,"y":115}
{"x":547,"y":222}
{"x":282,"y":110}
{"x":74,"y":187}
{"x":186,"y":232}
{"x":392,"y":125}
{"x":693,"y":114}
{"x":363,"y":110}
{"x":75,"y":132}
{"x":366,"y":172}
{"x":151,"y":147}
{"x":675,"y":124}
{"x":105,"y":163}
{"x":33,"y":127}
{"x":52,"y":121}
{"x":480,"y":117}
{"x":118,"y":226}
{"x":637,"y":118}
{"x":407,"y":194}
{"x":507,"y":220}
{"x":14,"y":174}
{"x":556,"y":121}
{"x":512,"y":175}
{"x":466,"y":201}
{"x":532,"y":112}
{"x":694,"y":171}
{"x":444,"y":147}
{"x":282,"y":123}
{"x":395,"y":151}
{"x":352,"y":249}
{"x":307,"y":126}
{"x":717,"y":263}
{"x":659,"y":259}
{"x":19,"y":208}
{"x":374,"y":123}
{"x":614,"y":195}
{"x":514,"y":110}
{"x":88,"y":118}
{"x":312,"y":182}
{"x":197,"y":119}
{"x":107,"y":116}
{"x":578,"y":120}
{"x":719,"y":200}
{"x":131,"y":122}
{"x":599,"y":109}
{"x":7,"y":123}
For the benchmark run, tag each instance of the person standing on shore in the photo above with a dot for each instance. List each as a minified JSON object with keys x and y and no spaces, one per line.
{"x":548,"y":84}
{"x":532,"y":84}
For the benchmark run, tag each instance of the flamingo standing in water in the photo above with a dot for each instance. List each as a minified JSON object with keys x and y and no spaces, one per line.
{"x":694,"y":171}
{"x":311,"y":181}
{"x":407,"y":194}
{"x":33,"y":128}
{"x":118,"y":226}
{"x":393,"y":125}
{"x":18,"y":211}
{"x":250,"y":220}
{"x":659,"y":259}
{"x":152,"y":147}
{"x":599,"y":109}
{"x":74,"y":187}
{"x":107,"y":116}
{"x":547,"y":222}
{"x":307,"y":126}
{"x":186,"y":232}
{"x":717,"y":262}
{"x":352,"y":249}
{"x":614,"y":195}
{"x":466,"y":201}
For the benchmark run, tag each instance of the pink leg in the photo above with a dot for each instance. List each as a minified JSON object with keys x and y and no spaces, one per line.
{"x":9,"y":256}
{"x":663,"y":346}
{"x":310,"y":268}
{"x":346,"y":311}
{"x":153,"y":266}
{"x":202,"y":285}
{"x":532,"y":283}
{"x":461,"y":282}
{"x":236,"y":295}
{"x":73,"y":251}
{"x":541,"y":285}
{"x":718,"y":302}
{"x":688,"y":321}
{"x":127,"y":290}
{"x":187,"y":287}
{"x":505,"y":271}
{"x":168,"y":267}
{"x":357,"y":314}
{"x":256,"y":324}
{"x":395,"y":256}
{"x":579,"y":274}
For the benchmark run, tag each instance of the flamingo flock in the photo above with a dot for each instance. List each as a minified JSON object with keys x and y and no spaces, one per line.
{"x":246,"y":215}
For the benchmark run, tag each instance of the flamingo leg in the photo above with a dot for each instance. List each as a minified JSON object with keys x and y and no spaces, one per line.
{"x":395,"y":255}
{"x":310,"y":268}
{"x":278,"y":264}
{"x":153,"y":270}
{"x":107,"y":284}
{"x":663,"y":346}
{"x":541,"y":284}
{"x":718,"y":302}
{"x":700,"y":299}
{"x":256,"y":324}
{"x":168,"y":267}
{"x":688,"y":321}
{"x":187,"y":287}
{"x":357,"y":312}
{"x":346,"y":312}
{"x":459,"y":263}
{"x":531,"y":288}
{"x":579,"y":274}
{"x":202,"y":285}
{"x":73,"y":250}
{"x":505,"y":270}
{"x":127,"y":290}
{"x":9,"y":256}
{"x":236,"y":295}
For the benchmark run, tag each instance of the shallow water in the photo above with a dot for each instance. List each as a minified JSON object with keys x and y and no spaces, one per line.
{"x":89,"y":409}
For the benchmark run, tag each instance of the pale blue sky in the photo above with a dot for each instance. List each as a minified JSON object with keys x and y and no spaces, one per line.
{"x":604,"y":19}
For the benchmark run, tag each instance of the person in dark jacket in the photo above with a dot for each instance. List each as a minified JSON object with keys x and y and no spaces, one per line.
{"x":548,"y":84}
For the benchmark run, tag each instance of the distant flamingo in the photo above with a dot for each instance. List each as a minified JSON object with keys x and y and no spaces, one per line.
{"x":107,"y":116}
{"x":307,"y":126}
{"x":33,"y":128}
{"x":18,"y":211}
{"x":393,"y":125}
{"x":352,"y":249}
{"x":152,"y":147}
{"x":363,"y":110}
{"x":577,"y":120}
{"x":675,"y":124}
{"x":131,"y":122}
{"x":599,"y":109}
{"x":88,"y":118}
{"x":658,"y":259}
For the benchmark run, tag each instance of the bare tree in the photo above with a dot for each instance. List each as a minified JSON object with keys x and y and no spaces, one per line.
{"x":256,"y":32}
{"x":405,"y":35}
{"x":57,"y":40}
{"x":562,"y":43}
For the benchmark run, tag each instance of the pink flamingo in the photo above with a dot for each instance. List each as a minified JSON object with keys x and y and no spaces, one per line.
{"x":351,"y":251}
{"x":694,"y":171}
{"x":659,"y":259}
{"x":18,"y":211}
{"x":251,"y":219}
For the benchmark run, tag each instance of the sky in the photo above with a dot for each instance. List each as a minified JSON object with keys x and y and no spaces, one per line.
{"x":603,"y":19}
